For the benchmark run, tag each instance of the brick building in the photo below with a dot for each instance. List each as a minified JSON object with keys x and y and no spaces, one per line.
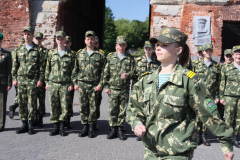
{"x":75,"y":17}
{"x":224,"y":15}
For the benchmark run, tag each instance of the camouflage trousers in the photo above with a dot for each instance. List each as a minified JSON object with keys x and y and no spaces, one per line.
{"x":117,"y":102}
{"x":70,"y":106}
{"x":87,"y":98}
{"x":149,"y":155}
{"x":59,"y":98}
{"x":200,"y":126}
{"x":41,"y":94}
{"x":27,"y":93}
{"x":232,"y":112}
{"x":16,"y":97}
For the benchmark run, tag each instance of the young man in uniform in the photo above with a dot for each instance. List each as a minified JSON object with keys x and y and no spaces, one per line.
{"x":28,"y":74}
{"x":229,"y":93}
{"x":5,"y":81}
{"x":118,"y":72}
{"x":87,"y":79}
{"x":60,"y":63}
{"x":209,"y":71}
{"x":13,"y":107}
{"x":41,"y":93}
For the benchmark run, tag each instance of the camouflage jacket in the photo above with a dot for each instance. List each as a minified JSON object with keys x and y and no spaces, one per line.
{"x":170,"y":113}
{"x":210,"y":76}
{"x":6,"y":67}
{"x":113,"y":69}
{"x":230,"y":81}
{"x":89,"y":69}
{"x":142,"y":66}
{"x":59,"y":69}
{"x":29,"y":64}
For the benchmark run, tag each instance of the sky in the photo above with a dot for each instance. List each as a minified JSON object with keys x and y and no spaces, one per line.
{"x":129,"y":9}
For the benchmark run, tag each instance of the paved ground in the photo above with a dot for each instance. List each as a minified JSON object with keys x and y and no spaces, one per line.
{"x":42,"y":146}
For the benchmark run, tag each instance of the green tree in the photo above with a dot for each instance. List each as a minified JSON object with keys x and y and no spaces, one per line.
{"x":110,"y":31}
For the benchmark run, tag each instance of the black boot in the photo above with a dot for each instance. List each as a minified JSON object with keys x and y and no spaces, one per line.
{"x":91,"y":133}
{"x":121,"y":135}
{"x":95,"y":127}
{"x":199,"y":138}
{"x":235,"y":141}
{"x":138,"y":139}
{"x":204,"y":139}
{"x":55,"y":131}
{"x":40,"y":121}
{"x":113,"y":133}
{"x":24,"y":128}
{"x":62,"y":130}
{"x":68,"y":124}
{"x":84,"y":131}
{"x":30,"y":128}
{"x":12,"y":109}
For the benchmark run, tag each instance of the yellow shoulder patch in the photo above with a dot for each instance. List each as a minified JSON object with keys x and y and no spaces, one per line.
{"x":138,"y":58}
{"x":193,"y":60}
{"x":144,"y":73}
{"x":72,"y":51}
{"x":191,"y":74}
{"x":225,"y":65}
{"x":196,"y":61}
{"x":79,"y":50}
{"x":39,"y":45}
{"x":110,"y":53}
{"x":102,"y":51}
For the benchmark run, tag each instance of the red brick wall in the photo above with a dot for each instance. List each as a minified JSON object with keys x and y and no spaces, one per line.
{"x":14,"y":15}
{"x":217,"y":13}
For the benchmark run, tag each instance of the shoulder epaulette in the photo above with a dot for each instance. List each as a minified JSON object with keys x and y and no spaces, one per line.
{"x":193,"y":61}
{"x":79,"y":50}
{"x":110,"y":53}
{"x":196,"y":61}
{"x":73,"y":51}
{"x":50,"y":50}
{"x":39,"y":45}
{"x":139,"y":58}
{"x":102,"y":51}
{"x":191,"y":74}
{"x":146,"y":73}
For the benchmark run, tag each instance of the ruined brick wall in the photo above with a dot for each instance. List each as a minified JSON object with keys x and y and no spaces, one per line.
{"x":218,"y":14}
{"x":14,"y":15}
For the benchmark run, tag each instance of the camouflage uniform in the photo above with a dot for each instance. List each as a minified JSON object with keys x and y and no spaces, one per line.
{"x":169,"y":114}
{"x":28,"y":68}
{"x":230,"y":93}
{"x":119,"y":88}
{"x":41,"y":92}
{"x":58,"y":77}
{"x":16,"y":96}
{"x":211,"y":77}
{"x":87,"y":74}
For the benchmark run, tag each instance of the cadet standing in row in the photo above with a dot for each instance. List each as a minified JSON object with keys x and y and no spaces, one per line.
{"x":70,"y":107}
{"x":118,"y":72}
{"x":209,"y":71}
{"x":41,"y":92}
{"x":87,"y":79}
{"x":28,"y":74}
{"x":13,"y":107}
{"x":5,"y":81}
{"x":200,"y":55}
{"x":230,"y":93}
{"x":165,"y":103}
{"x":60,"y":63}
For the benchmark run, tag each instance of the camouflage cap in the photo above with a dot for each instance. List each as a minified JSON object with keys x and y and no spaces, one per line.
{"x":60,"y":34}
{"x":1,"y":36}
{"x":28,"y":28}
{"x":170,"y":35}
{"x":91,"y":33}
{"x":235,"y":48}
{"x":38,"y":35}
{"x":121,"y":40}
{"x":227,"y":51}
{"x":207,"y":46}
{"x":97,"y":38}
{"x":68,"y":38}
{"x":199,"y":48}
{"x":148,"y":44}
{"x":22,"y":39}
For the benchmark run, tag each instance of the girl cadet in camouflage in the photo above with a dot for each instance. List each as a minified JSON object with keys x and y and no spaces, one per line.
{"x":165,"y":117}
{"x":229,"y":93}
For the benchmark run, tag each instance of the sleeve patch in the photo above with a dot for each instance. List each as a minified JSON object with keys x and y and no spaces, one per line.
{"x":191,"y":74}
{"x":211,"y":105}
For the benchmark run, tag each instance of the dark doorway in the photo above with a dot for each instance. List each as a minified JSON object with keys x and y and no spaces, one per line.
{"x":81,"y":16}
{"x":230,"y":35}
